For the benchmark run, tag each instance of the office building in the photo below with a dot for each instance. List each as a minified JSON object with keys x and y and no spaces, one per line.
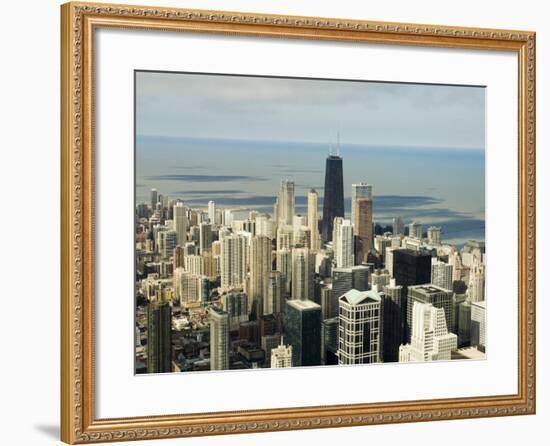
{"x":283,"y":263}
{"x":362,"y":214}
{"x":154,"y":199}
{"x":273,"y":297}
{"x":333,"y":200}
{"x":181,"y":224}
{"x":398,"y":226}
{"x":411,"y":267}
{"x":430,"y":339}
{"x":302,"y":325}
{"x":260,"y":266}
{"x":233,"y":261}
{"x":430,"y":294}
{"x":166,"y":243}
{"x":212,"y":212}
{"x":343,"y":243}
{"x":442,"y":274}
{"x":286,"y":202}
{"x":281,"y":357}
{"x":434,"y":235}
{"x":360,"y":327}
{"x":159,"y":337}
{"x":235,"y":303}
{"x":205,"y":237}
{"x":313,"y":219}
{"x":303,"y":273}
{"x":476,"y":283}
{"x":415,"y":230}
{"x":219,"y":340}
{"x":477,"y":330}
{"x":344,"y":280}
{"x":329,"y":341}
{"x":395,"y":314}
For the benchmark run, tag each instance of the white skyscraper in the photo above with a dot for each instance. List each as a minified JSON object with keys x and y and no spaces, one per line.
{"x":343,"y":243}
{"x":281,"y":356}
{"x":286,"y":202}
{"x":189,"y":289}
{"x":180,"y":222}
{"x":415,"y":230}
{"x":476,"y":284}
{"x":285,"y":237}
{"x":233,"y":261}
{"x":442,"y":274}
{"x":219,"y":340}
{"x":360,"y":327}
{"x":430,"y":339}
{"x":303,"y":273}
{"x":212,"y":212}
{"x":313,"y":219}
{"x":434,"y":235}
{"x":477,"y":330}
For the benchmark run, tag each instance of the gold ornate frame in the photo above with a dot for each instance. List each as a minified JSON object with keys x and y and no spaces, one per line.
{"x":78,"y":423}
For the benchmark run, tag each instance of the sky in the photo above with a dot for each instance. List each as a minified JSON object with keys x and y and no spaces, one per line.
{"x":232,"y":139}
{"x":290,"y":109}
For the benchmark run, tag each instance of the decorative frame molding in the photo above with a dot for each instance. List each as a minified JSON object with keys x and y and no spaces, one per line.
{"x":78,"y":22}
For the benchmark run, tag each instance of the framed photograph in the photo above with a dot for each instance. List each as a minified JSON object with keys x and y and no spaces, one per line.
{"x":274,"y":223}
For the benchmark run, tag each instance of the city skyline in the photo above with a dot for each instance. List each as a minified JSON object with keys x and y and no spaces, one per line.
{"x":285,"y":254}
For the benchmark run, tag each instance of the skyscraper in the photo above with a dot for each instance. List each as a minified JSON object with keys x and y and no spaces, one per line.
{"x":430,"y":340}
{"x":286,"y":202}
{"x":166,"y":243}
{"x":260,"y":266}
{"x":476,"y":284}
{"x":303,"y":273}
{"x":434,"y":235}
{"x":313,"y":219}
{"x":343,"y":243}
{"x":180,"y":222}
{"x":284,"y":265}
{"x":212,"y":212}
{"x":281,"y":356}
{"x":219,"y":340}
{"x":154,"y":199}
{"x":360,"y":329}
{"x":398,"y":226}
{"x":359,"y":191}
{"x":431,"y":294}
{"x":273,"y":298}
{"x":411,"y":267}
{"x":415,"y":230}
{"x":159,"y":337}
{"x":442,"y":274}
{"x":477,"y":330}
{"x":303,"y":331}
{"x":333,"y":201}
{"x":205,"y":237}
{"x":346,"y":279}
{"x":233,"y":261}
{"x":395,"y":314}
{"x":363,"y":227}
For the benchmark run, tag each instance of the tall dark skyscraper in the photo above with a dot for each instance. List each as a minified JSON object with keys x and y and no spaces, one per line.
{"x":159,"y":342}
{"x":333,"y":201}
{"x":303,"y":331}
{"x":411,"y":267}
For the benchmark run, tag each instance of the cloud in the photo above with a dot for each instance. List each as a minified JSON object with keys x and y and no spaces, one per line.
{"x":208,"y":192}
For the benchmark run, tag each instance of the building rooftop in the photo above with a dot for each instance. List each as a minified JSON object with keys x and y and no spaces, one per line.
{"x":355,"y":297}
{"x":428,"y":288}
{"x":303,"y":304}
